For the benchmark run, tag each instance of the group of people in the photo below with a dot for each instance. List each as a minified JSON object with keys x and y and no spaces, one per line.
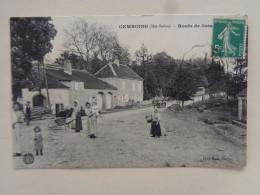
{"x":91,"y":112}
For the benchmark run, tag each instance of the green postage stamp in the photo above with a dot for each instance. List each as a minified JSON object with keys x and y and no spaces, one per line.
{"x":229,"y":38}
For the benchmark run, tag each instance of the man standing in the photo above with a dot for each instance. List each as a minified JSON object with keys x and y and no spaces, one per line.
{"x":95,"y":114}
{"x":28,"y":113}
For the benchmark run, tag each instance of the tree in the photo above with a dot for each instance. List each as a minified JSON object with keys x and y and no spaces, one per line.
{"x":122,"y":54}
{"x":216,"y":77}
{"x":164,"y":70}
{"x":80,"y":40}
{"x":76,"y":61}
{"x":183,"y":87}
{"x":144,"y":59}
{"x":30,"y":41}
{"x":106,"y":40}
{"x":89,"y":41}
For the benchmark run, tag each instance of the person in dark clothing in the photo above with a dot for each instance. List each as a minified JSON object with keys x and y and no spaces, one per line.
{"x":155,"y":126}
{"x":76,"y":115}
{"x":28,"y":113}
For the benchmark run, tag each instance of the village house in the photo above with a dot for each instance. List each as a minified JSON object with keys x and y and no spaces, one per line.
{"x":115,"y":84}
{"x":67,"y":85}
{"x":129,"y":85}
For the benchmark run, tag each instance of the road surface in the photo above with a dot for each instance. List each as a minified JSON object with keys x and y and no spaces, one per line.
{"x":123,"y":140}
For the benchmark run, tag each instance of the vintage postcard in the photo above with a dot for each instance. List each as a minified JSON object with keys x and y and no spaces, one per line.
{"x":129,"y":91}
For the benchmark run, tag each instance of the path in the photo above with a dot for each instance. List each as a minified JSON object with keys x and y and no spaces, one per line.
{"x":124,"y":141}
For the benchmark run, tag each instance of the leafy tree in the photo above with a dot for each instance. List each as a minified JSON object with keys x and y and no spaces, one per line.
{"x":76,"y":61}
{"x":30,"y":41}
{"x":164,"y":70}
{"x":183,"y":87}
{"x":216,"y":77}
{"x":122,"y":54}
{"x":97,"y":64}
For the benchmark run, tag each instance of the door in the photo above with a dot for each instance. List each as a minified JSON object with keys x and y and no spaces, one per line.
{"x":100,"y":101}
{"x":109,"y":101}
{"x":39,"y":100}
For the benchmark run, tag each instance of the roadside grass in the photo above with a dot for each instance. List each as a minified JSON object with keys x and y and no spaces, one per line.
{"x":210,"y":111}
{"x":218,"y":114}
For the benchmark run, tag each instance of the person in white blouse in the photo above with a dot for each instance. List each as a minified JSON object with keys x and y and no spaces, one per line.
{"x":155,"y":126}
{"x":17,"y":119}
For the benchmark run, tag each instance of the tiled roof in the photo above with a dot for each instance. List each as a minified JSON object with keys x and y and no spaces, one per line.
{"x":90,"y":81}
{"x":54,"y":83}
{"x":119,"y":71}
{"x":243,"y":92}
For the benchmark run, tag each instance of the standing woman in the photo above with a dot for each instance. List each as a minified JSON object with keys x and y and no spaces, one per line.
{"x":88,"y":112}
{"x":77,"y":124}
{"x":17,"y":118}
{"x":155,"y":126}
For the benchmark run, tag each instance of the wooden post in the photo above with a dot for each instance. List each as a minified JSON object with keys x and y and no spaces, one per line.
{"x":240,"y":108}
{"x":46,"y":85}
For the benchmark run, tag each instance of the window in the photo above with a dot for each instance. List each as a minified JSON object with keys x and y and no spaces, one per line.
{"x":123,"y":97}
{"x":133,"y":97}
{"x":76,"y":86}
{"x":133,"y":86}
{"x":123,"y":85}
{"x":139,"y":86}
{"x":118,"y":98}
{"x":139,"y":97}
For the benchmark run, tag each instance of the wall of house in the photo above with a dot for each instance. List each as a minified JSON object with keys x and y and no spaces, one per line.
{"x":57,"y":96}
{"x":78,"y":93}
{"x":127,"y":89}
{"x":105,"y":99}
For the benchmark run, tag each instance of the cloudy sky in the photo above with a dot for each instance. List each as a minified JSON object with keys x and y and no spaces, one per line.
{"x":174,"y":40}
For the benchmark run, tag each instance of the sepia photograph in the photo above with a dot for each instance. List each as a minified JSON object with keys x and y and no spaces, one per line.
{"x":129,"y":91}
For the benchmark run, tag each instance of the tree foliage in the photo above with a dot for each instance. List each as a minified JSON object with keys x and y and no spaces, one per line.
{"x":30,"y":41}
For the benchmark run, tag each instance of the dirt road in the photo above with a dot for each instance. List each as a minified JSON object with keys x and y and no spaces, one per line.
{"x":124,"y":141}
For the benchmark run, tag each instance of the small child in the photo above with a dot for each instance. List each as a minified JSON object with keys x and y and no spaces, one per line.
{"x":95,"y":111}
{"x":38,"y":145}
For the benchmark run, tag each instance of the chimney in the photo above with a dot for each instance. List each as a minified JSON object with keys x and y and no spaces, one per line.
{"x":116,"y":61}
{"x":68,"y":68}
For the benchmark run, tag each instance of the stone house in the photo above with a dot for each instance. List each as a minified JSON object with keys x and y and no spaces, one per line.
{"x":129,"y":85}
{"x":66,"y":86}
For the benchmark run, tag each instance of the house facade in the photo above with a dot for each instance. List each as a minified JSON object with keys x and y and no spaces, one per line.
{"x":129,"y":85}
{"x":66,"y":86}
{"x":115,"y":84}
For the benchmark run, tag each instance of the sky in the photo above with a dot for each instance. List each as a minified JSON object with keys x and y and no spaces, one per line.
{"x":174,"y":41}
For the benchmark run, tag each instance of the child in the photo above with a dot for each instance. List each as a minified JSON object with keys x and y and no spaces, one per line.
{"x":95,"y":109}
{"x":38,"y":146}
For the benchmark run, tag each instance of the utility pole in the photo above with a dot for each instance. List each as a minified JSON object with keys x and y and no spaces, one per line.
{"x":46,"y":85}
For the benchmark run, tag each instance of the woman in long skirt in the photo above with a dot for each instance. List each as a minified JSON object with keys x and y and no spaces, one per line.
{"x":155,"y":126}
{"x":76,"y":116}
